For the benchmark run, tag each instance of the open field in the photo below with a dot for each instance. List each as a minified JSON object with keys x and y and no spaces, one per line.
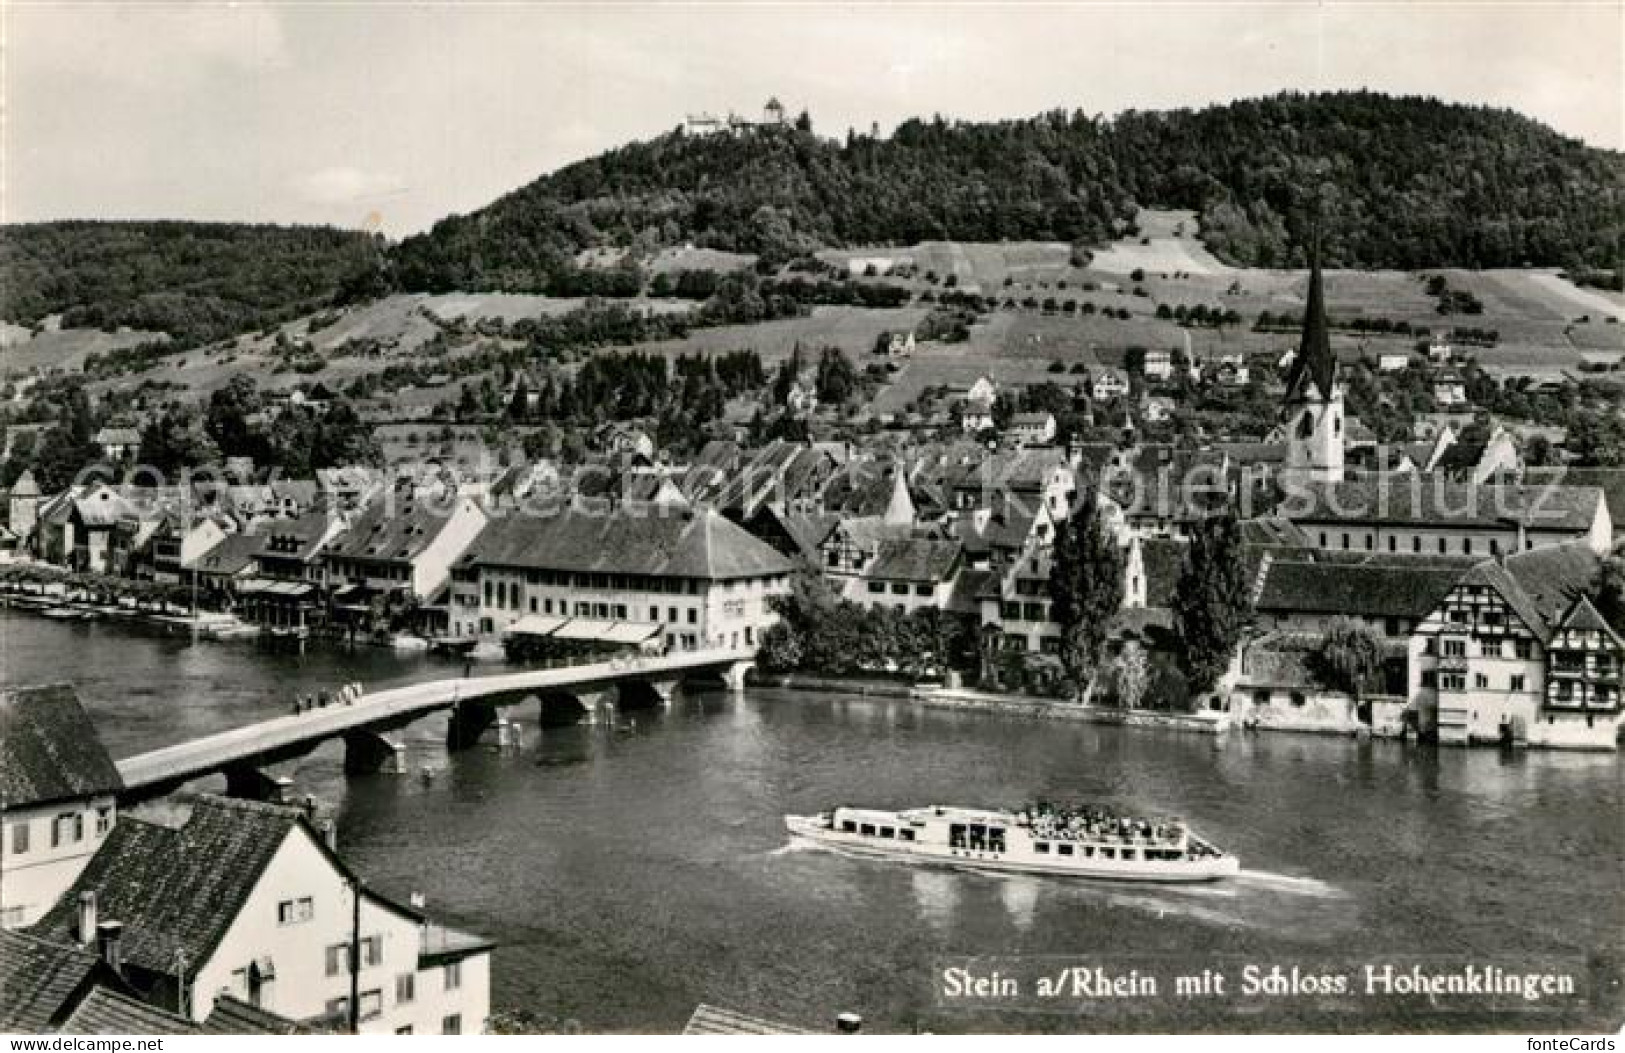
{"x":852,"y":329}
{"x":22,"y":351}
{"x":1536,"y":312}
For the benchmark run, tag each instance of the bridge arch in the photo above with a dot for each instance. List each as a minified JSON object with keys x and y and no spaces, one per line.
{"x":559,"y":708}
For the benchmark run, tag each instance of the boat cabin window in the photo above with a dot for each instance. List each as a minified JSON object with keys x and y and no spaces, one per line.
{"x":1128,"y":853}
{"x":849,"y":827}
{"x":887,"y":831}
{"x":956,"y":835}
{"x":995,"y":839}
{"x":1108,"y":853}
{"x":978,"y":837}
{"x":1065,"y":850}
{"x":1041,"y":847}
{"x":1088,"y":850}
{"x":906,"y":835}
{"x":867,"y":829}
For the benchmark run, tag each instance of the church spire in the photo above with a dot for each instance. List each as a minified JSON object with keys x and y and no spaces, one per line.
{"x":1314,"y":365}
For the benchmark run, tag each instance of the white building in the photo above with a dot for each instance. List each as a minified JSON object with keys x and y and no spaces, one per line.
{"x":1107,"y":384}
{"x":405,"y":544}
{"x":696,"y":578}
{"x":248,"y":900}
{"x":1032,"y":429}
{"x":1159,"y":364}
{"x":57,"y":789}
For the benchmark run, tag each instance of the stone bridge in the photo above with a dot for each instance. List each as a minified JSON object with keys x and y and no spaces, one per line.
{"x":565,"y":694}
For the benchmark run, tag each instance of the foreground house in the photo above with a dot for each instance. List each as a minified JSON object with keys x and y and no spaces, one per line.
{"x":247,"y":901}
{"x":59,"y":790}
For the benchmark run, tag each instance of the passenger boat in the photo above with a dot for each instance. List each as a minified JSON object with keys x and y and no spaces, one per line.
{"x":1079,"y":840}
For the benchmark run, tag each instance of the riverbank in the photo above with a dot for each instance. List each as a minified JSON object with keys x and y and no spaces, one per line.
{"x":1025,"y":706}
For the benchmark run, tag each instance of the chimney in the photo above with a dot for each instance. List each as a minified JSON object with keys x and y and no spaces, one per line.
{"x":109,"y":944}
{"x":86,"y":930}
{"x":418,"y":900}
{"x":330,"y":833}
{"x":848,"y":1023}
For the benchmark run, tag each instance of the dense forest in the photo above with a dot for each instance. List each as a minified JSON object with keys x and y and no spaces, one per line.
{"x":1397,"y":182}
{"x":195,"y":281}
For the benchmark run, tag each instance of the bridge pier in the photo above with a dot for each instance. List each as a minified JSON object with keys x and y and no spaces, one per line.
{"x":249,"y":783}
{"x":468,"y":722}
{"x":367,"y":752}
{"x":733,"y":675}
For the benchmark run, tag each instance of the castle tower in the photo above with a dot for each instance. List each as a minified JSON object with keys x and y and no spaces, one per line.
{"x":1313,"y":406}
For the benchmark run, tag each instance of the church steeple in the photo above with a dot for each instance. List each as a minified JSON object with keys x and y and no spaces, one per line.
{"x":1314,"y":398}
{"x":1314,"y":370}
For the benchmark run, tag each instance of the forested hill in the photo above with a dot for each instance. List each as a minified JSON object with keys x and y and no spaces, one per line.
{"x":194,"y":281}
{"x":1403,"y":182}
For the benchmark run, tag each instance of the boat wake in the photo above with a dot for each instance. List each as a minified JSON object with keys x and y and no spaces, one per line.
{"x":1299,"y":886}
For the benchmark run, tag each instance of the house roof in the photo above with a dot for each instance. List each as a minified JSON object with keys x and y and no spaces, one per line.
{"x":177,"y":889}
{"x":233,"y":1016}
{"x":1385,"y":590}
{"x":915,"y":559}
{"x":710,"y":1020}
{"x":1611,"y":481}
{"x":685,"y":543}
{"x":1031,"y":420}
{"x":1432,"y":500}
{"x":1584,"y":616}
{"x":234,"y":554}
{"x":49,"y":749}
{"x":1554,"y":577}
{"x":106,"y":1012}
{"x":118,"y":437}
{"x":398,"y":529}
{"x":39,"y":979}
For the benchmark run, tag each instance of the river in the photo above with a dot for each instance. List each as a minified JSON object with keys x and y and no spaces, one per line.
{"x":633,"y":871}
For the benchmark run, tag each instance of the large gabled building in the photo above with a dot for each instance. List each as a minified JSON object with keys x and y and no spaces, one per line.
{"x":694,"y":577}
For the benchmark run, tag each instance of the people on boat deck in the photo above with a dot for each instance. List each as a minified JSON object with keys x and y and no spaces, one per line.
{"x":1091,"y":822}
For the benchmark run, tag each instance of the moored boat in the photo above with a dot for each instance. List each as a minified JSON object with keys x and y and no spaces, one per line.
{"x":1081,"y":840}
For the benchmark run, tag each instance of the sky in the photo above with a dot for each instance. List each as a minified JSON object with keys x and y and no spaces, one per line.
{"x":392,"y":115}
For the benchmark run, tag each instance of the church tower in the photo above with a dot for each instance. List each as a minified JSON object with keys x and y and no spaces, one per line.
{"x":1314,"y":397}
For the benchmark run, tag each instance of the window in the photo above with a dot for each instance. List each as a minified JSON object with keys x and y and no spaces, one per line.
{"x":454,"y":976}
{"x":1064,"y":850}
{"x":372,"y":951}
{"x":338,"y":959}
{"x":67,"y":828}
{"x":899,"y":588}
{"x":1480,"y":681}
{"x":866,"y":829}
{"x":294,"y":911}
{"x":1452,"y":682}
{"x":693,"y":616}
{"x":922,"y":590}
{"x":452,"y":1025}
{"x":905,"y":834}
{"x":338,"y":1007}
{"x":404,"y":1029}
{"x":1454,"y":648}
{"x":104,"y":820}
{"x":372,"y":1005}
{"x":654,"y":614}
{"x":1515,"y":684}
{"x":1393,"y":543}
{"x":1416,"y":544}
{"x":1525,"y":649}
{"x":1345,"y":541}
{"x":1441,"y":546}
{"x":877,"y":586}
{"x":1041,"y":847}
{"x":406,"y":988}
{"x":19,"y":838}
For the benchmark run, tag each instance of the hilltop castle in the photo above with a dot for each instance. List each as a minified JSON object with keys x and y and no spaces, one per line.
{"x":709,"y":124}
